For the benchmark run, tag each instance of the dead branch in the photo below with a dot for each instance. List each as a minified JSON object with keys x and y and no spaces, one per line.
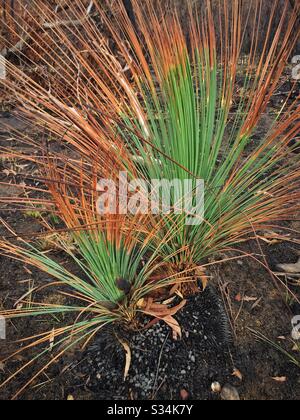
{"x":20,"y":45}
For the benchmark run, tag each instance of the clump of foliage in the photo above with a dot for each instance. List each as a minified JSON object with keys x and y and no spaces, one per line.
{"x":160,"y":99}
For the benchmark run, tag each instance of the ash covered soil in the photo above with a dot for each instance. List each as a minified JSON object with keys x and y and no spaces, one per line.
{"x":217,"y":338}
{"x":162,"y":368}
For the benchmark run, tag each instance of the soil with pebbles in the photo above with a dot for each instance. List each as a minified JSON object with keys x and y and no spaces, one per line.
{"x":162,"y":367}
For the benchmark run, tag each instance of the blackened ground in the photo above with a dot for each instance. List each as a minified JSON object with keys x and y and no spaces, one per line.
{"x":162,"y":367}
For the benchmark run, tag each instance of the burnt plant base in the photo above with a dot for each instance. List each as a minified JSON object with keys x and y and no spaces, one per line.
{"x":161,"y":367}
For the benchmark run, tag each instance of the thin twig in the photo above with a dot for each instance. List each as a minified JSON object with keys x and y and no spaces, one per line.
{"x":158,"y":367}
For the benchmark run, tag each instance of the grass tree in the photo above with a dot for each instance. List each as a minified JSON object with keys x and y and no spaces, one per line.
{"x":157,"y":98}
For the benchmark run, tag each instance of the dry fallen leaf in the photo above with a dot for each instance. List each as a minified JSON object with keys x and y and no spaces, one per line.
{"x":204,"y":281}
{"x":164,"y":313}
{"x":237,"y":374}
{"x":202,"y":276}
{"x":168,"y":301}
{"x":184,"y":395}
{"x":290,"y":268}
{"x":51,"y":339}
{"x":240,"y":298}
{"x":280,"y":379}
{"x":128,"y":358}
{"x":70,"y":398}
{"x":273,"y":238}
{"x":177,"y":333}
{"x":179,"y":294}
{"x":173,"y":290}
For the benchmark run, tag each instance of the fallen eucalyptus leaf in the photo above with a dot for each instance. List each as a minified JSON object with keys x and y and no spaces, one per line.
{"x":237,"y":374}
{"x":290,"y":268}
{"x":177,"y":333}
{"x":128,"y":358}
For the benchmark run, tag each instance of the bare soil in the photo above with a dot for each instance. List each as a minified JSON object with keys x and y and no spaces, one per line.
{"x":161,"y":368}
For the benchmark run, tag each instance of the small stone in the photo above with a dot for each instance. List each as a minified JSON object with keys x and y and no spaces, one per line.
{"x":230,"y":393}
{"x":216,"y":387}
